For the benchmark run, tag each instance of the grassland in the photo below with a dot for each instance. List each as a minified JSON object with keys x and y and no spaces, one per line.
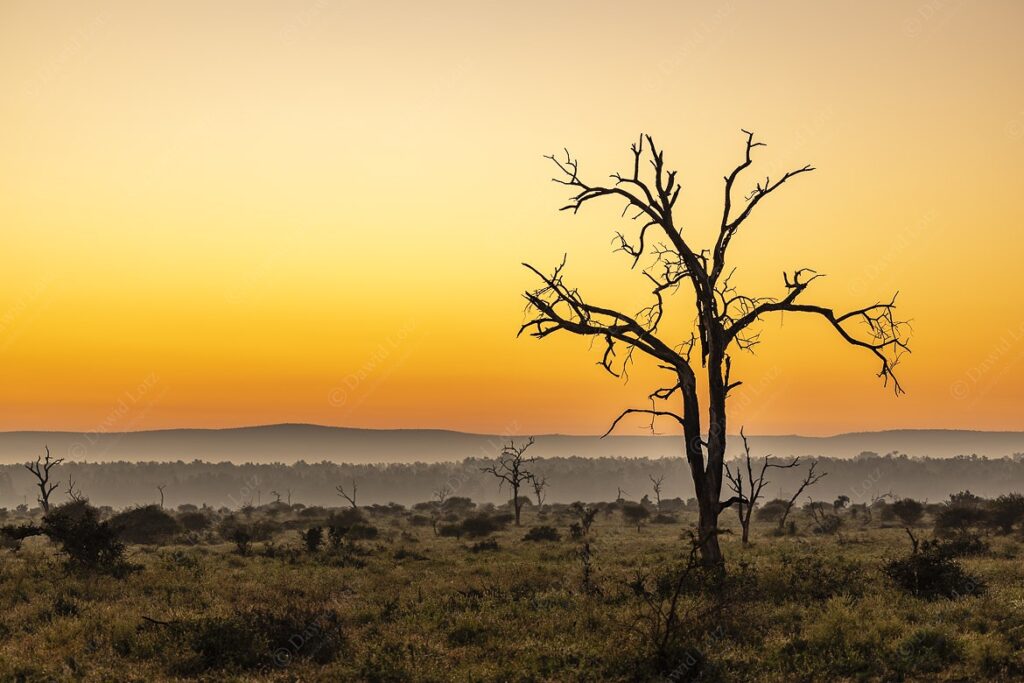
{"x":413,"y":606}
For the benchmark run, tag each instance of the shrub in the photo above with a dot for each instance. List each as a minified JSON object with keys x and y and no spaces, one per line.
{"x":261,"y":638}
{"x":313,"y":538}
{"x":771,"y":511}
{"x":242,"y":540}
{"x":503,"y":518}
{"x":149,"y":524}
{"x":194,"y":521}
{"x":88,"y":542}
{"x":481,"y":546}
{"x":958,"y":519}
{"x":964,"y":545}
{"x":542,"y":533}
{"x":449,"y":530}
{"x":908,"y":510}
{"x":635,"y":513}
{"x":930,"y":573}
{"x":664,"y":519}
{"x":813,"y":576}
{"x":927,"y":650}
{"x":419,"y":520}
{"x":345,"y":517}
{"x":361,"y":532}
{"x":478,"y":526}
{"x":1004,"y":512}
{"x":458,"y":504}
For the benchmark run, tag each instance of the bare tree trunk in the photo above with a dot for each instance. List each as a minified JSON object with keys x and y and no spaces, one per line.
{"x":707,"y":527}
{"x":516,"y":505}
{"x":706,"y":489}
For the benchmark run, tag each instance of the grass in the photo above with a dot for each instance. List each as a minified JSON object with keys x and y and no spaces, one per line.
{"x":418,"y":607}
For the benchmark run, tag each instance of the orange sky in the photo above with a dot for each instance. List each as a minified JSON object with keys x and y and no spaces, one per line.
{"x":233,"y":213}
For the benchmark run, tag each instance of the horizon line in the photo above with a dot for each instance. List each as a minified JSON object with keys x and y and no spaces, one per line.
{"x":492,"y":434}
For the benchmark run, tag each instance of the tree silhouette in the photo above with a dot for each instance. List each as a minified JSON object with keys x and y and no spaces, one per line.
{"x":40,"y":469}
{"x":724,"y":318}
{"x":509,"y":469}
{"x":746,"y":498}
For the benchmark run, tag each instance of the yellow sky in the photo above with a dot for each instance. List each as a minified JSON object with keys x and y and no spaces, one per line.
{"x":234,"y":213}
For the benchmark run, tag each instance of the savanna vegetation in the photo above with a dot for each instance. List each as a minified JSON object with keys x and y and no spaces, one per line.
{"x":452,"y":590}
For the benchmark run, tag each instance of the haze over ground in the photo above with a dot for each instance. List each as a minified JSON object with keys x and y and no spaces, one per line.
{"x":313,"y":443}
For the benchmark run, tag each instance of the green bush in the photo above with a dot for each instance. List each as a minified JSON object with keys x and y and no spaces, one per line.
{"x":194,"y":521}
{"x":149,"y":524}
{"x":479,"y":526}
{"x":908,"y":510}
{"x":542,"y":533}
{"x":88,"y":542}
{"x":930,"y":573}
{"x":313,"y":538}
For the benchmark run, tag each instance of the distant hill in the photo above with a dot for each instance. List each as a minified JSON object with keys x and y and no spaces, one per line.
{"x":288,"y":443}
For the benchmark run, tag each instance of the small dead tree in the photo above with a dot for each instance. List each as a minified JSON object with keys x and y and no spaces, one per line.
{"x":539,"y":484}
{"x":869,"y":506}
{"x":825,"y":522}
{"x":747,"y":496}
{"x":160,"y":488}
{"x":620,"y":494}
{"x":344,"y":494}
{"x":73,"y":494}
{"x":40,"y":469}
{"x":656,"y":484}
{"x":277,"y":496}
{"x":811,"y":479}
{"x":509,"y":469}
{"x":442,"y":494}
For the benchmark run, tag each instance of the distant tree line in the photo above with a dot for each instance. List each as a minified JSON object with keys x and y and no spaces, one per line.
{"x":861,"y":479}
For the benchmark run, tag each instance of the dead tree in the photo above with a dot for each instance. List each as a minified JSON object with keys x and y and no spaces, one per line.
{"x":508,"y":468}
{"x":746,"y":497}
{"x":40,"y":469}
{"x":811,"y":479}
{"x":160,"y":488}
{"x":350,"y":498}
{"x":656,"y":484}
{"x":73,"y":494}
{"x":442,"y":494}
{"x":620,"y":494}
{"x":539,"y":484}
{"x":725,"y":320}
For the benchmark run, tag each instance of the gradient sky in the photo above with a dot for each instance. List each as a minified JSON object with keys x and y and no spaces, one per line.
{"x":248,"y":212}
